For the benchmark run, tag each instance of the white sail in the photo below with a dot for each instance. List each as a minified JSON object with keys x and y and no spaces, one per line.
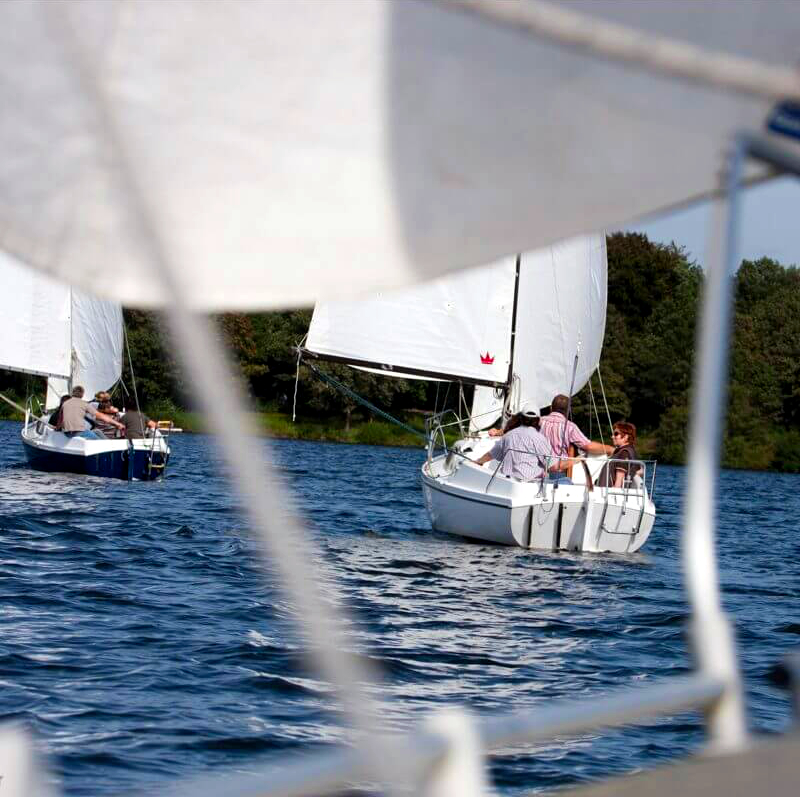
{"x":52,"y":330}
{"x":455,"y":327}
{"x":97,"y":341}
{"x":561,"y":314}
{"x":34,"y":321}
{"x":487,"y":407}
{"x":291,"y":151}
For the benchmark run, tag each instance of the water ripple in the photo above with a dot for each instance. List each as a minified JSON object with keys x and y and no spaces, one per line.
{"x":142,"y":641}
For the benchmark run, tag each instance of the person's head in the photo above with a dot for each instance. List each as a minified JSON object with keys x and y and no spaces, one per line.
{"x":624,"y":434}
{"x":560,"y":403}
{"x":104,"y":406}
{"x":102,"y":396}
{"x":528,"y":415}
{"x":64,"y":398}
{"x":77,"y":392}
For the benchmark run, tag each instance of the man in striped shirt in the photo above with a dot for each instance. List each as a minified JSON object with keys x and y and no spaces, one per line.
{"x":562,"y":433}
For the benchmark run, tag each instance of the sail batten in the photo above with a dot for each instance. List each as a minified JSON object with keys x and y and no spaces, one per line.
{"x":401,"y":371}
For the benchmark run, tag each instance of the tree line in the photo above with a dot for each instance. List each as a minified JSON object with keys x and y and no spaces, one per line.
{"x":646,"y":366}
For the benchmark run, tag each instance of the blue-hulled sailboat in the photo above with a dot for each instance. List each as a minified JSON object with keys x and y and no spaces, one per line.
{"x":50,"y":329}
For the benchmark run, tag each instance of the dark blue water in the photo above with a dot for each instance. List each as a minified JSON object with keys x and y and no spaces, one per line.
{"x":142,"y":642}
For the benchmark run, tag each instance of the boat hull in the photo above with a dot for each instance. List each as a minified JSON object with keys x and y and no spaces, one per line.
{"x":462,"y":498}
{"x":140,"y":460}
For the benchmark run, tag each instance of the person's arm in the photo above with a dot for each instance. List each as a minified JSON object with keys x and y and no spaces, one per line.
{"x":101,"y":416}
{"x":619,"y":478}
{"x":495,"y":432}
{"x":495,"y":453}
{"x":562,"y":465}
{"x":593,"y":447}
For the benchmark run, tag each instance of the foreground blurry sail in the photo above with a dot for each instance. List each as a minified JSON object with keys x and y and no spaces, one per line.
{"x":289,"y":151}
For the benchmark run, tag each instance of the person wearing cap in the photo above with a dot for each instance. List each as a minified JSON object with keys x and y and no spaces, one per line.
{"x":523,"y":452}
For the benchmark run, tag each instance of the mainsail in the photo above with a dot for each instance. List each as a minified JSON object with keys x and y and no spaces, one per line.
{"x":50,"y":329}
{"x":464,"y":327}
{"x":456,"y":328}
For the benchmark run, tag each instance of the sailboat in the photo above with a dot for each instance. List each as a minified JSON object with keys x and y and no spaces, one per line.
{"x":50,"y":329}
{"x":520,"y":330}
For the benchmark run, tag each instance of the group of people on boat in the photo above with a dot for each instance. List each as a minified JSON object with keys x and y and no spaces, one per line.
{"x":98,"y":419}
{"x":530,"y":444}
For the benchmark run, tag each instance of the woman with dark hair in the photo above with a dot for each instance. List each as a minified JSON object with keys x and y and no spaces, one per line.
{"x":615,"y":473}
{"x":55,"y":418}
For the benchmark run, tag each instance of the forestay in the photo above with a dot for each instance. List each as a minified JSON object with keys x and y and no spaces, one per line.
{"x":456,"y":327}
{"x":297,"y":150}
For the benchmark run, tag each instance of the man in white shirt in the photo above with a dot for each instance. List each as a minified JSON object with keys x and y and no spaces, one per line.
{"x":524,"y":453}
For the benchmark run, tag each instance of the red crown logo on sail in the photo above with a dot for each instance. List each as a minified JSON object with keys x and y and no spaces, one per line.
{"x":487,"y":359}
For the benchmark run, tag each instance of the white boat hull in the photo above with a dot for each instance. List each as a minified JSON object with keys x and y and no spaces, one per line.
{"x":471,"y":501}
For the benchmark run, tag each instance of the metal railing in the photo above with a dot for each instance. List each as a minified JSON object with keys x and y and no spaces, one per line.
{"x":546,"y":461}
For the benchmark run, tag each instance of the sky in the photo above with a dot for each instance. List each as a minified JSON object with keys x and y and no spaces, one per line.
{"x":770,"y":224}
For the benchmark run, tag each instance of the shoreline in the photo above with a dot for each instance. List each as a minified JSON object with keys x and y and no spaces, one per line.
{"x":279,"y":426}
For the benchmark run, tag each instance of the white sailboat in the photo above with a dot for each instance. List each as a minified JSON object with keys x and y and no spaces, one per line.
{"x":521,"y":330}
{"x":50,"y":329}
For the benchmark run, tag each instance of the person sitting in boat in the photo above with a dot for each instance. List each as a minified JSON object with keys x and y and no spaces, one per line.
{"x":55,"y":418}
{"x":74,"y":413}
{"x":563,"y":433}
{"x":615,"y":473}
{"x":523,"y":452}
{"x":104,"y":397}
{"x":137,"y":425}
{"x":106,"y":429}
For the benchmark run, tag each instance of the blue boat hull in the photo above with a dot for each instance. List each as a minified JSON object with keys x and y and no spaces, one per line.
{"x":127,"y":464}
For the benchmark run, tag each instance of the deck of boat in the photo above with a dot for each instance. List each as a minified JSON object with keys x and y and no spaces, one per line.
{"x":770,"y":769}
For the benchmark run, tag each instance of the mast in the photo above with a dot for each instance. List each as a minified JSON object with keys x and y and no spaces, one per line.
{"x":510,"y":378}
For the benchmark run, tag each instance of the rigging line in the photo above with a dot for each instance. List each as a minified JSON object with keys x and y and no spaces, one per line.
{"x":624,"y":44}
{"x":605,"y":402}
{"x":130,"y":364}
{"x":597,"y":413}
{"x":335,"y":383}
{"x":514,"y":323}
{"x":284,"y":541}
{"x":569,"y":400}
{"x":297,"y":375}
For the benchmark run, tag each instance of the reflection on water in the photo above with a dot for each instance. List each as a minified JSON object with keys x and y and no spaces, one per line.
{"x":142,"y":641}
